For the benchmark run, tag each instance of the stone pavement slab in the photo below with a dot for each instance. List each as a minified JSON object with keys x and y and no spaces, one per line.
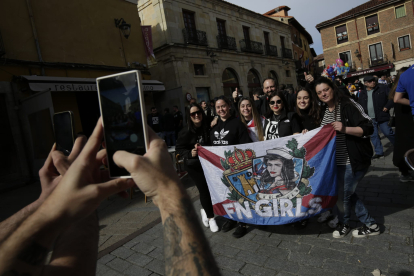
{"x":282,"y":250}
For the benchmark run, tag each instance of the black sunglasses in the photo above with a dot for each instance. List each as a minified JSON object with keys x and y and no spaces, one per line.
{"x":193,"y":114}
{"x":275,"y":102}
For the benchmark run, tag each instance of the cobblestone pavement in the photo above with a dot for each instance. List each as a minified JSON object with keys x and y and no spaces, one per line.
{"x":282,"y":250}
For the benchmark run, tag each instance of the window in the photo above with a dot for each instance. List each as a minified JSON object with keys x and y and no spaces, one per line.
{"x":346,"y":57}
{"x":199,"y":69}
{"x":288,"y":73}
{"x":400,"y":11}
{"x":266,"y":38}
{"x":221,"y":27}
{"x":189,"y":21}
{"x":341,"y":34}
{"x":375,"y":51}
{"x":404,"y":42}
{"x":372,"y":24}
{"x":282,"y":41}
{"x":246,"y":33}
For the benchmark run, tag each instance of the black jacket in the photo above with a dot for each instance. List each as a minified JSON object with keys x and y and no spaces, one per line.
{"x":230,"y":132}
{"x":359,"y":149}
{"x":288,"y":124}
{"x":167,"y":123}
{"x":306,"y":121}
{"x":380,"y":99}
{"x":186,"y":142}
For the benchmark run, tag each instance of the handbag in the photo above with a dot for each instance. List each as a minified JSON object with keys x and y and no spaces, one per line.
{"x":391,"y":122}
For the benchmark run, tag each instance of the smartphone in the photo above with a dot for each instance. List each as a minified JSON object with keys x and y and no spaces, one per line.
{"x":63,"y":127}
{"x":121,"y":100}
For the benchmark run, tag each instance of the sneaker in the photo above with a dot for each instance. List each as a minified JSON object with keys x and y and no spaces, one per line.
{"x":341,"y":231}
{"x":204,"y":217}
{"x":213,"y":225}
{"x":406,"y":178}
{"x":325,"y":216}
{"x":377,"y":156}
{"x":333,"y":223}
{"x":364,"y":231}
{"x":301,"y":224}
{"x":228,"y":225}
{"x":241,"y":230}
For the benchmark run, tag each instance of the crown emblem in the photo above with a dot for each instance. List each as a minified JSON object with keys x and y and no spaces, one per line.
{"x":240,"y":159}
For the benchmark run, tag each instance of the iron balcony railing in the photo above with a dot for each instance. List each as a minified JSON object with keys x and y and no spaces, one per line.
{"x":226,"y":42}
{"x":251,"y":46}
{"x":286,"y":53}
{"x":271,"y":50}
{"x":2,"y":50}
{"x":195,"y":37}
{"x":378,"y":61}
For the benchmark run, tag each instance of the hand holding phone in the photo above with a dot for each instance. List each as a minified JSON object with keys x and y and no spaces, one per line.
{"x":63,"y":128}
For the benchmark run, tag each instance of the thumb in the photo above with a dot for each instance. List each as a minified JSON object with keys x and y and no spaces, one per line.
{"x":305,"y":74}
{"x":114,"y":186}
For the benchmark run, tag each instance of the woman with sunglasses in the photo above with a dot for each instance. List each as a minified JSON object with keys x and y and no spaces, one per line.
{"x":279,"y":122}
{"x":197,"y":134}
{"x":353,"y":156}
{"x":251,"y":118}
{"x":228,"y":131}
{"x":307,"y":109}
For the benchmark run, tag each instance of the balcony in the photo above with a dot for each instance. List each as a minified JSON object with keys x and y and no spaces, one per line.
{"x":378,"y":61}
{"x":251,"y":46}
{"x":2,"y":50}
{"x":226,"y":42}
{"x":271,"y":50}
{"x":286,"y":53}
{"x":195,"y":37}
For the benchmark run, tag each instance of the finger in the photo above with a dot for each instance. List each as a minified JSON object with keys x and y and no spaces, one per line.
{"x":94,"y":142}
{"x":60,"y":162}
{"x":104,"y":144}
{"x":48,"y":165}
{"x":127,"y":160}
{"x":101,"y":157}
{"x":153,"y":139}
{"x":305,"y":74}
{"x":114,"y":186}
{"x":80,"y":142}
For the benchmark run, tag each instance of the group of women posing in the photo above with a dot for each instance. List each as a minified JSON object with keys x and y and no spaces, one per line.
{"x":353,"y":149}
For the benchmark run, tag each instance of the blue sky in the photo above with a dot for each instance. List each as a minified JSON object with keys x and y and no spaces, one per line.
{"x":308,"y":13}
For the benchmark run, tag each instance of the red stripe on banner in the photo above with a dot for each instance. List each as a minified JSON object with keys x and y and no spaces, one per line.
{"x":319,"y":141}
{"x":210,"y":157}
{"x":327,"y":201}
{"x":218,"y":208}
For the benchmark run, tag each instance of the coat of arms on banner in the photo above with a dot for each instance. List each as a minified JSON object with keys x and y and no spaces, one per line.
{"x":281,"y":173}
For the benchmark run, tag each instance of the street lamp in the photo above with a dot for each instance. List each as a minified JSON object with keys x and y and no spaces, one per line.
{"x":123,"y":26}
{"x":358,"y":55}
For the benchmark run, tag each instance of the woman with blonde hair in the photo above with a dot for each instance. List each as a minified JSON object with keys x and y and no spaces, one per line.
{"x":251,"y":118}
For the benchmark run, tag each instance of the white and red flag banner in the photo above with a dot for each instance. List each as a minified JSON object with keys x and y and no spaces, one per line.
{"x":273,"y":182}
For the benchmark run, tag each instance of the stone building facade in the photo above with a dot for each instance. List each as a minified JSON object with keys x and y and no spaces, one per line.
{"x":205,"y":49}
{"x":376,"y":36}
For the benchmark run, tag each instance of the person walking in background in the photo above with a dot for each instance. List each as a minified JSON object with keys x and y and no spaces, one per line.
{"x":404,"y":132}
{"x":154,"y":121}
{"x":168,"y":128}
{"x":405,"y":88}
{"x":374,"y":100}
{"x":197,"y":134}
{"x":383,"y":80}
{"x":178,"y":120}
{"x":209,"y":114}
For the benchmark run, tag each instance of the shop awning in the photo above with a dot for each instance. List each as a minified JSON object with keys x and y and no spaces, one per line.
{"x":62,"y":84}
{"x":370,"y":70}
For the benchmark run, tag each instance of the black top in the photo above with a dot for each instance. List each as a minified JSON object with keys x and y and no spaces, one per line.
{"x":281,"y":126}
{"x":154,"y":121}
{"x":187,"y":140}
{"x":178,"y":116}
{"x":380,"y":100}
{"x":168,"y":122}
{"x":306,"y":121}
{"x":230,"y":132}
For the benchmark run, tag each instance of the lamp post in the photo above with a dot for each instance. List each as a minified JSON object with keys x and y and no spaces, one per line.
{"x":124,"y":29}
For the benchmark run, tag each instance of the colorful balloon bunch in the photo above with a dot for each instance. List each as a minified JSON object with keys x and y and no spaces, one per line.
{"x":337,"y":69}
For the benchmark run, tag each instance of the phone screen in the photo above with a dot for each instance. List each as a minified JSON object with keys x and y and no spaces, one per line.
{"x":122,"y":118}
{"x":63,"y":126}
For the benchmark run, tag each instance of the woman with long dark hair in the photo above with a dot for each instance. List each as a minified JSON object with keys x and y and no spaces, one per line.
{"x":404,"y":132}
{"x":228,"y":131}
{"x":197,"y":134}
{"x":353,"y":156}
{"x":279,"y":121}
{"x":251,"y":118}
{"x":307,"y":109}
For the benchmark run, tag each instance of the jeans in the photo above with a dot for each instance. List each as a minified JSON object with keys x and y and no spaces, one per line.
{"x":347,"y":181}
{"x":169,"y":137}
{"x":375,"y":139}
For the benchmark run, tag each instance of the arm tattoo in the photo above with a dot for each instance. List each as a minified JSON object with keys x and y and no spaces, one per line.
{"x":33,"y":255}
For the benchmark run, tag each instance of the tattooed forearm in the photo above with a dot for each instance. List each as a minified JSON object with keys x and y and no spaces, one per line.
{"x":186,"y":249}
{"x":34,"y":255}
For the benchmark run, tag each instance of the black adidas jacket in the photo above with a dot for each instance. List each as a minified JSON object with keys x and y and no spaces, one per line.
{"x":230,"y":132}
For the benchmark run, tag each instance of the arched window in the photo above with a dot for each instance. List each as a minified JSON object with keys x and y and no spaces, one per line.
{"x":273,"y":75}
{"x":253,"y":81}
{"x":230,"y":82}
